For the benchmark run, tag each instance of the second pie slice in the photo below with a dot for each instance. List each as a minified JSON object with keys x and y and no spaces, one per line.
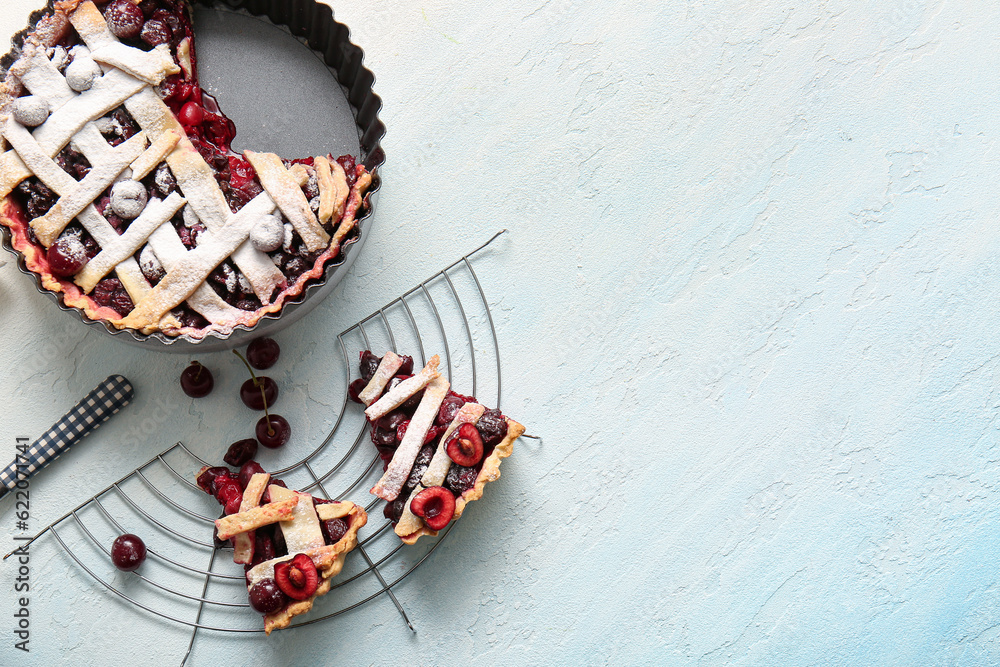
{"x":439,"y":448}
{"x":290,"y":544}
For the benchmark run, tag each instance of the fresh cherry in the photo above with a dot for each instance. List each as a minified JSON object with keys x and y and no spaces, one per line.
{"x":424,"y":457}
{"x":383,"y":437}
{"x":248,"y":470}
{"x":240,"y":452}
{"x":233,"y":503}
{"x":436,"y":506}
{"x":263,"y":353}
{"x":257,"y":393}
{"x":297,"y":578}
{"x":401,"y":430}
{"x":67,"y":256}
{"x":407,"y":366}
{"x":196,"y":380}
{"x":128,"y":552}
{"x":251,"y":396}
{"x":124,"y":19}
{"x":266,"y":597}
{"x":466,"y":447}
{"x":391,"y":421}
{"x":394,"y":510}
{"x":263,"y":546}
{"x":227,"y":491}
{"x":273,"y":431}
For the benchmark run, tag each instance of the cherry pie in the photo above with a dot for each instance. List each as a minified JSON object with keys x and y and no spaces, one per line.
{"x":120,"y":189}
{"x":439,"y":448}
{"x":290,"y":544}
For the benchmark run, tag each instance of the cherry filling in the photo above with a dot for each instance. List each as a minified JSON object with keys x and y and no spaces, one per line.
{"x":468,"y":447}
{"x":294,"y":579}
{"x":145,"y":25}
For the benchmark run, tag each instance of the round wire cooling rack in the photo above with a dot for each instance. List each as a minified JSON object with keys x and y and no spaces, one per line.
{"x":447,"y":314}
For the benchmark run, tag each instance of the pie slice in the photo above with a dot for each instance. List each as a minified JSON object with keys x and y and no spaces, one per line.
{"x":290,"y":543}
{"x":439,"y":448}
{"x":121,"y":190}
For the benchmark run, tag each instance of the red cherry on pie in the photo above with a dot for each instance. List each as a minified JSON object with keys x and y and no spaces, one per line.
{"x":466,"y":448}
{"x":266,"y":597}
{"x":297,"y":578}
{"x":436,"y":506}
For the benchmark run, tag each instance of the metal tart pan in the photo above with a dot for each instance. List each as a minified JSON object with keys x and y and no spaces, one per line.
{"x":322,"y":102}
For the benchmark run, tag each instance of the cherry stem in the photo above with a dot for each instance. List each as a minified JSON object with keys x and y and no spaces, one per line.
{"x":270,"y":431}
{"x":198,"y":374}
{"x":256,"y":382}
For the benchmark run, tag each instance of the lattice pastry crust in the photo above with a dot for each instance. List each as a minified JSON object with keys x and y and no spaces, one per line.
{"x":489,"y":473}
{"x":130,"y":78}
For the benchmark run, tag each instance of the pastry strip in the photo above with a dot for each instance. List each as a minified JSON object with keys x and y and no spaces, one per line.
{"x":301,"y":531}
{"x":155,"y":214}
{"x":149,"y":66}
{"x":42,"y":78}
{"x":243,"y":542}
{"x":49,"y":226}
{"x":402,"y":391}
{"x":169,"y":250}
{"x":193,"y":268}
{"x":386,"y":369}
{"x":328,"y":511}
{"x":278,"y":183}
{"x":353,"y":203}
{"x":196,"y":181}
{"x":333,"y":189}
{"x":256,"y":517}
{"x":154,"y":155}
{"x":437,"y":469}
{"x":395,"y":476}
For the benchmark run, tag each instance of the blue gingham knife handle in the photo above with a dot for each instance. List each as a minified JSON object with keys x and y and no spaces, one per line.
{"x":105,"y":400}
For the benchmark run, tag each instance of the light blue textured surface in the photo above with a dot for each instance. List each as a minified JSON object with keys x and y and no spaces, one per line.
{"x":748,"y":299}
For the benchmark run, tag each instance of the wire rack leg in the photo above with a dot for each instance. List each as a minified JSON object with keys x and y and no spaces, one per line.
{"x":361,"y":548}
{"x":201,"y":606}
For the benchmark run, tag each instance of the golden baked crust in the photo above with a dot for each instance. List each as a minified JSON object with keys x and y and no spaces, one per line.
{"x":128,"y":80}
{"x":329,"y":563}
{"x":489,"y":473}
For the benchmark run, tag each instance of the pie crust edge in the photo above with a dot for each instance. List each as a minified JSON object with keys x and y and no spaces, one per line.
{"x":47,"y":31}
{"x":489,"y":473}
{"x":346,"y":544}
